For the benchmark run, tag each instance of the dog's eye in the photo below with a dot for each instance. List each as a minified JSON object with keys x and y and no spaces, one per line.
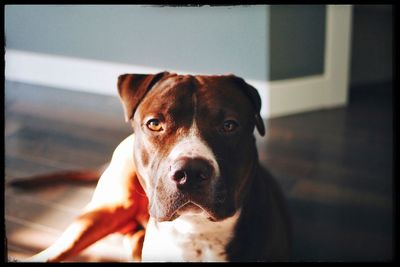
{"x":154,"y":125}
{"x":230,"y":125}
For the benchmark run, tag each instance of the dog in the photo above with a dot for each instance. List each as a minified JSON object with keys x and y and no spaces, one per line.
{"x":187,"y":184}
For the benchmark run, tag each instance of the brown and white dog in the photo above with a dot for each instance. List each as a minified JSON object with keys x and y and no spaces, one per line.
{"x":187,"y":185}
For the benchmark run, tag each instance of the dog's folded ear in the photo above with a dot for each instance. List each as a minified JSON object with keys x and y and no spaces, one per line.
{"x":255,"y":99}
{"x":133,"y":87}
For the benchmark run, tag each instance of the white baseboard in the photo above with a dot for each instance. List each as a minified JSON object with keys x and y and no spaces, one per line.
{"x":278,"y":97}
{"x":297,"y":95}
{"x":82,"y":74}
{"x":67,"y":73}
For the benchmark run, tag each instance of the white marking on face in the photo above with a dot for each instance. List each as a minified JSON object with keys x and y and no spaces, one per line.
{"x":188,"y":238}
{"x":193,"y":146}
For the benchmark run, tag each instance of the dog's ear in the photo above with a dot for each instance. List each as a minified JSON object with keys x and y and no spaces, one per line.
{"x":133,"y":87}
{"x":255,"y":99}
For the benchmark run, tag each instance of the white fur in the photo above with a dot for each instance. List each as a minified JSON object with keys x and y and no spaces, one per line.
{"x":193,"y":146}
{"x":190,"y":237}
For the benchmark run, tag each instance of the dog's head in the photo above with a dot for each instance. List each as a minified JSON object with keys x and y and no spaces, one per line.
{"x":194,"y":146}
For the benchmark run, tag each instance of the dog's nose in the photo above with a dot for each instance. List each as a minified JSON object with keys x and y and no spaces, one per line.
{"x":188,"y":172}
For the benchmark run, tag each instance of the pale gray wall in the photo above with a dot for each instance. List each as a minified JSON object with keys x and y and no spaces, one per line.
{"x":297,"y":35}
{"x":199,"y":39}
{"x":257,"y":42}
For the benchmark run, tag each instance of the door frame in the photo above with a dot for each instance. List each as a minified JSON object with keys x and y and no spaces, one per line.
{"x":329,"y":89}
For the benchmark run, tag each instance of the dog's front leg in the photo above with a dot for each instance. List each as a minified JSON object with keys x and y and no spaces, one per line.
{"x":85,"y":230}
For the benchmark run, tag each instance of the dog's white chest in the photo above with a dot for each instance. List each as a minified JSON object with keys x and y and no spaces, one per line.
{"x":188,"y":238}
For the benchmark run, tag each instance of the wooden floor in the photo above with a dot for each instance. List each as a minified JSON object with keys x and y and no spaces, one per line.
{"x":335,"y":167}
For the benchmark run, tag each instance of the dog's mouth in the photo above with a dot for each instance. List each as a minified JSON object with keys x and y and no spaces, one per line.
{"x":184,"y":207}
{"x":168,"y":206}
{"x":189,"y":208}
{"x":192,"y":208}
